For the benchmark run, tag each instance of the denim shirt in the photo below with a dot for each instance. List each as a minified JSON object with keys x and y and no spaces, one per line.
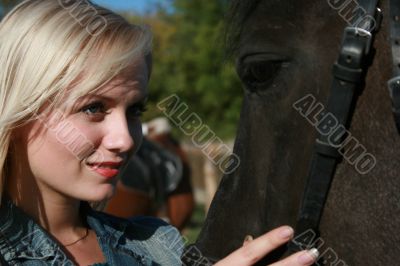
{"x":139,"y":241}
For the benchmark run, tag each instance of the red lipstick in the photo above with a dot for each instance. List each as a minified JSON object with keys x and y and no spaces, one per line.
{"x":106,"y":169}
{"x":107,"y":172}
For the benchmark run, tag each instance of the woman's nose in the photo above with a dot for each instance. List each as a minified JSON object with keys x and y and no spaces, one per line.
{"x":118,"y":137}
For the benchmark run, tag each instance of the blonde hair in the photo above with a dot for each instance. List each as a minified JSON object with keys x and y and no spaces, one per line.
{"x":48,"y":47}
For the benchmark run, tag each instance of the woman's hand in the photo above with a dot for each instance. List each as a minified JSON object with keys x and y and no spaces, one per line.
{"x":254,"y":250}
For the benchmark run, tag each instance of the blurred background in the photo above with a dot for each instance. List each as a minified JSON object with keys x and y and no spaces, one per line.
{"x":189,"y":61}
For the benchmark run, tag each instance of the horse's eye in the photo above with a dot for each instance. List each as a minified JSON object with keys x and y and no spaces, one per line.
{"x":257,"y":75}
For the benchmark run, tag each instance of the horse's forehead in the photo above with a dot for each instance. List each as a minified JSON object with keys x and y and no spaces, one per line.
{"x":269,"y":26}
{"x":284,"y":23}
{"x":275,"y":15}
{"x":280,"y":11}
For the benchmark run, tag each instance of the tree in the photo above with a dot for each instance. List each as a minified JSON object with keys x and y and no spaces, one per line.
{"x":189,"y":61}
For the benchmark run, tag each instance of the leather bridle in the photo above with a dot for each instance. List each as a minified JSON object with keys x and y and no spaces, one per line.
{"x":349,"y":72}
{"x":394,"y":83}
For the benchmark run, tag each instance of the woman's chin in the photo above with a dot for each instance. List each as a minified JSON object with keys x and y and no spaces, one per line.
{"x":104,"y":193}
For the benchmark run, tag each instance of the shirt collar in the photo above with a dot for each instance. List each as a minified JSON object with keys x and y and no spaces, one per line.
{"x":21,"y":236}
{"x":107,"y":227}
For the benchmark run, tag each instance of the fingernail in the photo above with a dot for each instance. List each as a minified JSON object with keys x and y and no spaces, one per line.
{"x":247,"y":239}
{"x":286,"y":232}
{"x":309,"y":257}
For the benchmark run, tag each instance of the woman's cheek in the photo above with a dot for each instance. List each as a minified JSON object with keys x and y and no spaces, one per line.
{"x":83,"y":139}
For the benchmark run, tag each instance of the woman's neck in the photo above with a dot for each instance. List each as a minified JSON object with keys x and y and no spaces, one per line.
{"x":55,"y":212}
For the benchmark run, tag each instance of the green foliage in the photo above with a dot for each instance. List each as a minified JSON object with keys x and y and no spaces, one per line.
{"x":189,"y":61}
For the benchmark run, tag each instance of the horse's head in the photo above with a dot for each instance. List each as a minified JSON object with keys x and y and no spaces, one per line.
{"x":284,"y":51}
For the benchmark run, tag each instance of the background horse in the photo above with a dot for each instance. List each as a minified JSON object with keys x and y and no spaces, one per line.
{"x":285,"y":50}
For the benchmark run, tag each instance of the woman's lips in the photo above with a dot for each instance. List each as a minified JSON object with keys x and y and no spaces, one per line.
{"x":106,"y":169}
{"x":106,"y":172}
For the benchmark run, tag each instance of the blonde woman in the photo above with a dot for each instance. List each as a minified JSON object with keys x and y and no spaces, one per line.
{"x":73,"y":83}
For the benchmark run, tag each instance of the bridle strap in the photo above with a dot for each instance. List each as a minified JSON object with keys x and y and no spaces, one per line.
{"x":349,"y":73}
{"x":394,"y":83}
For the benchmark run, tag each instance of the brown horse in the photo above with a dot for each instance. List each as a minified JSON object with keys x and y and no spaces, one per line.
{"x":285,"y":50}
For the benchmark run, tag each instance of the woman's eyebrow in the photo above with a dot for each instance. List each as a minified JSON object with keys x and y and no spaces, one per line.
{"x":102,"y":97}
{"x":87,"y":98}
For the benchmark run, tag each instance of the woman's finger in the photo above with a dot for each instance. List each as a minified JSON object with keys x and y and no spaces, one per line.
{"x":256,"y":249}
{"x":302,"y":258}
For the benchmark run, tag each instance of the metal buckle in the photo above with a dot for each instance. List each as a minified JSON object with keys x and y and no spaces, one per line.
{"x":361,"y":32}
{"x":355,"y":32}
{"x":367,"y":18}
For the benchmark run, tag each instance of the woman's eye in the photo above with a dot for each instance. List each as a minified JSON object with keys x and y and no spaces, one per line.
{"x":136,"y":110}
{"x":94,"y":109}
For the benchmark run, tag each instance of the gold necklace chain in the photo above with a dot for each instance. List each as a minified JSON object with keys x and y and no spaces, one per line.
{"x":76,"y":241}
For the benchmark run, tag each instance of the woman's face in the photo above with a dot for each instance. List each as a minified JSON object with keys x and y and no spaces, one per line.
{"x":78,"y":151}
